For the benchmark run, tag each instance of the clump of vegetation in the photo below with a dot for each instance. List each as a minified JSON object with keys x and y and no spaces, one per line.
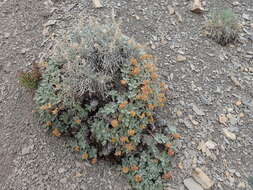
{"x":30,"y":79}
{"x":102,"y":88}
{"x":223,"y":27}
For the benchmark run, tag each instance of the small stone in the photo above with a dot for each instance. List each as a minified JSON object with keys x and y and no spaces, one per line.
{"x":191,"y":184}
{"x":238,"y":103}
{"x":197,"y":110}
{"x":50,"y":23}
{"x":179,"y":113}
{"x":179,"y":17}
{"x":241,"y":185}
{"x":7,"y":35}
{"x":223,"y":119}
{"x":27,"y":150}
{"x":171,"y":10}
{"x":63,"y":180}
{"x":61,"y":170}
{"x":241,"y":115}
{"x":197,"y":7}
{"x":180,"y":58}
{"x":202,"y":178}
{"x":246,"y":16}
{"x":229,"y":134}
{"x":210,"y":144}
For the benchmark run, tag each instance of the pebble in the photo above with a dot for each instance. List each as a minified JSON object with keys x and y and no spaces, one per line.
{"x":61,"y":170}
{"x":197,"y":110}
{"x":202,"y":178}
{"x":63,"y":180}
{"x":180,"y":58}
{"x":229,"y":134}
{"x":191,"y":184}
{"x":27,"y":150}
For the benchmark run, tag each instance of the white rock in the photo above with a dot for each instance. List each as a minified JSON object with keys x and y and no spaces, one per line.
{"x":27,"y":150}
{"x":202,"y":178}
{"x":191,"y":184}
{"x":180,"y":58}
{"x":197,"y":110}
{"x":210,"y":144}
{"x":229,"y":134}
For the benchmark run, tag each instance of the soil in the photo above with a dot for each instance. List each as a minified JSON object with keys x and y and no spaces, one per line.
{"x":213,"y":81}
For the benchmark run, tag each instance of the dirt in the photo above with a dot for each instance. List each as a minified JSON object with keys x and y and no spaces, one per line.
{"x":209,"y":83}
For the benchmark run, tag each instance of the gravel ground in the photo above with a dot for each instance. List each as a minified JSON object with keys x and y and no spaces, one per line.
{"x":211,"y":91}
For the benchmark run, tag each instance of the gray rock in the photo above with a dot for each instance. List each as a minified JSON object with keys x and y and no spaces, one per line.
{"x":197,"y":110}
{"x":191,"y":184}
{"x":27,"y":150}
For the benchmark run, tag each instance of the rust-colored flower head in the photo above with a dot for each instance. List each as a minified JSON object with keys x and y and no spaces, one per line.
{"x":49,"y":124}
{"x":55,"y":111}
{"x":78,"y":121}
{"x":134,"y":168}
{"x":56,"y":132}
{"x":146,"y":56}
{"x":132,"y":113}
{"x":124,"y":139}
{"x":118,"y":153}
{"x":151,"y":106}
{"x":46,"y":107}
{"x":85,"y":156}
{"x":133,"y":61}
{"x":154,"y":76}
{"x":176,"y":135}
{"x":77,"y":148}
{"x":114,"y":123}
{"x":136,"y":71}
{"x":131,"y":132}
{"x":168,"y":145}
{"x":142,"y":126}
{"x":94,"y":161}
{"x":123,"y":82}
{"x":123,"y":105}
{"x":130,"y":147}
{"x":167,"y":176}
{"x":137,"y":178}
{"x":125,"y":170}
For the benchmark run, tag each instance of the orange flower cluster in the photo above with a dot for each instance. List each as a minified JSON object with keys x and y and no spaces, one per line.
{"x":94,"y":161}
{"x":114,"y":123}
{"x":85,"y":156}
{"x":125,"y":170}
{"x":49,"y":124}
{"x":78,"y":121}
{"x":146,"y":56}
{"x":118,"y":153}
{"x":142,"y":126}
{"x":46,"y":107}
{"x":176,"y":136}
{"x":56,"y":132}
{"x":145,"y":92}
{"x":130,"y":147}
{"x":123,"y":82}
{"x":124,"y":139}
{"x":136,"y":70}
{"x":168,"y":145}
{"x":133,"y":61}
{"x":150,"y":67}
{"x":137,"y":178}
{"x":55,"y":111}
{"x":151,"y":106}
{"x":167,"y":176}
{"x":142,"y":116}
{"x":132,"y":113}
{"x":161,"y":98}
{"x":131,"y":132}
{"x":123,"y":105}
{"x":77,"y":148}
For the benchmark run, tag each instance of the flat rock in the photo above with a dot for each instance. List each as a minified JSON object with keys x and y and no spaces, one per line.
{"x":27,"y":150}
{"x":202,"y":178}
{"x":180,"y":58}
{"x":191,"y":184}
{"x":229,"y":134}
{"x":197,"y":110}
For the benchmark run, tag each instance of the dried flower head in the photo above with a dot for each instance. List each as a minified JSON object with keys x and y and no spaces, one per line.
{"x":114,"y":123}
{"x":146,"y":56}
{"x":124,"y":139}
{"x":123,"y":82}
{"x":94,"y":161}
{"x":167,"y":176}
{"x":133,"y":61}
{"x":125,"y":170}
{"x":134,"y":168}
{"x":85,"y":156}
{"x":56,"y":132}
{"x":131,"y":132}
{"x":137,"y":178}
